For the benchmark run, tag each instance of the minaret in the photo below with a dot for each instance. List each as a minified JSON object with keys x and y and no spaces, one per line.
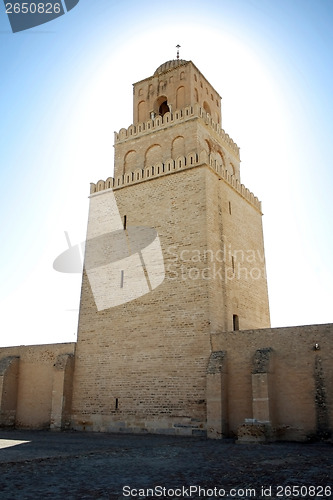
{"x":141,"y":365}
{"x":174,"y":87}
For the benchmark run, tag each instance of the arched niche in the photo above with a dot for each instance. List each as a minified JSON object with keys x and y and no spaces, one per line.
{"x":130,"y":161}
{"x":206,"y":107}
{"x":180,"y":97}
{"x":142,"y":110}
{"x":178,"y":147}
{"x":153,"y":155}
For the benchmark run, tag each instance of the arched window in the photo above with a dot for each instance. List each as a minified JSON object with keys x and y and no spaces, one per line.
{"x":164,"y":108}
{"x":161,"y":106}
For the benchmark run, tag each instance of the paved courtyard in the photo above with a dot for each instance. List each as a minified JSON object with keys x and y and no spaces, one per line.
{"x":48,"y":465}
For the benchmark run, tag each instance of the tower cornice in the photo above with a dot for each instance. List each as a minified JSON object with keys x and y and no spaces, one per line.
{"x":181,"y":115}
{"x":181,"y":164}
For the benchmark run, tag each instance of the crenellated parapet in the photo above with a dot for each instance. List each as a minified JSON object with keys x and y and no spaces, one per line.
{"x":178,"y":116}
{"x":171,"y":166}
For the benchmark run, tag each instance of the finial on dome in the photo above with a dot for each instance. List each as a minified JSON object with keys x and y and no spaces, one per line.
{"x":178,"y":47}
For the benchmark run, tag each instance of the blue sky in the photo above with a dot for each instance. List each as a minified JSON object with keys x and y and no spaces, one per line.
{"x":271,"y":61}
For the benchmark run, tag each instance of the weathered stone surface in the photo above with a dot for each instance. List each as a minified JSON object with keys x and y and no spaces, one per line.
{"x":192,"y":353}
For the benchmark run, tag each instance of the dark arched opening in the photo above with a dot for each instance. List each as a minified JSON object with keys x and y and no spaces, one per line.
{"x":164,"y":108}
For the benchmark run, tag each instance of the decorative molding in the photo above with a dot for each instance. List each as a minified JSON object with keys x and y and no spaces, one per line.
{"x":172,"y":166}
{"x":180,"y":115}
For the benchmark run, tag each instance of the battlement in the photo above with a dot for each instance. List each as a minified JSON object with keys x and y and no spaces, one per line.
{"x":192,"y":160}
{"x":180,"y":115}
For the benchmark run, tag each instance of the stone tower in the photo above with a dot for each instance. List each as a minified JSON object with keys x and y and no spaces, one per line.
{"x":142,"y":361}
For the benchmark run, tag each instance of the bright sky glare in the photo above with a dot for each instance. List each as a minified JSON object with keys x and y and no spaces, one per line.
{"x":66,"y":87}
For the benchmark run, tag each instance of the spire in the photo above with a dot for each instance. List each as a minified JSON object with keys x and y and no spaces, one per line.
{"x":178,"y":47}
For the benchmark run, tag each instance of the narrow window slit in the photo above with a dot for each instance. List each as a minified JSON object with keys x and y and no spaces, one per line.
{"x":235,"y":322}
{"x":117,"y":404}
{"x":122,"y":279}
{"x":125,"y":221}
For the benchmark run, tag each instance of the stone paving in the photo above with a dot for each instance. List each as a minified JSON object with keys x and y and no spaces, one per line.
{"x":48,"y":465}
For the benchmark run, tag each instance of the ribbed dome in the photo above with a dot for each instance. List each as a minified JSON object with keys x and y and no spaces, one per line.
{"x":174,"y":63}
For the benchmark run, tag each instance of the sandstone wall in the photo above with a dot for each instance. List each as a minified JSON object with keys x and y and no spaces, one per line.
{"x":295,"y":391}
{"x":35,"y":385}
{"x":142,"y":365}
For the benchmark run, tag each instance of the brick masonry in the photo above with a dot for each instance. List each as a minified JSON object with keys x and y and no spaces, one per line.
{"x":30,"y":393}
{"x":174,"y":336}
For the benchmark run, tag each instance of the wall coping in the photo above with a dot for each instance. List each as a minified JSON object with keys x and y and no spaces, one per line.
{"x":322,"y":327}
{"x":180,"y":115}
{"x":192,"y":160}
